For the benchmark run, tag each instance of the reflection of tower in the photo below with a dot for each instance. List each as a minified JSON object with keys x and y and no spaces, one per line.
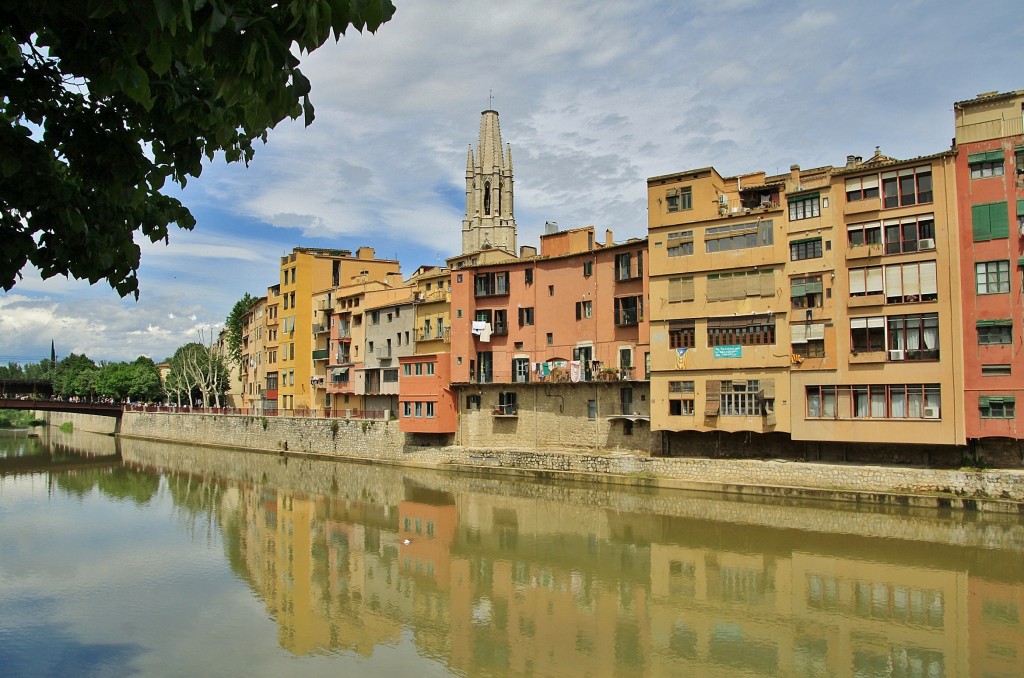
{"x":489,"y":220}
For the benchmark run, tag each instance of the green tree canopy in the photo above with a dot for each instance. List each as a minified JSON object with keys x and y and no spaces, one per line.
{"x":233,"y":328}
{"x":75,"y":375}
{"x":104,"y":101}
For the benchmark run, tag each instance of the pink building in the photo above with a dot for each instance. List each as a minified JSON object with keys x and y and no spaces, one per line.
{"x":990,"y":198}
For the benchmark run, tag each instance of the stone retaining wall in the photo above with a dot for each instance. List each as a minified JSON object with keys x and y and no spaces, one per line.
{"x":91,"y":423}
{"x":382,"y":441}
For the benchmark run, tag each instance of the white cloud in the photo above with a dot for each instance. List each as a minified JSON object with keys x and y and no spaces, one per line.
{"x":593,"y":97}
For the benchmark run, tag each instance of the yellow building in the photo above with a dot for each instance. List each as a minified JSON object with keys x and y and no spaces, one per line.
{"x":304,"y":273}
{"x":818,"y":305}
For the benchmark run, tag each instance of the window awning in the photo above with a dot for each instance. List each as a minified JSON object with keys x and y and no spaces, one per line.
{"x":999,"y":322}
{"x":986,"y":156}
{"x":803,"y":196}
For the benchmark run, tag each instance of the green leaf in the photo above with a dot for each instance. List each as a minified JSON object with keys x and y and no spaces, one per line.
{"x":159,"y":53}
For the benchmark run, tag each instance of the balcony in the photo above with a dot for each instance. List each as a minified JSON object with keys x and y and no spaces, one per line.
{"x":321,"y":328}
{"x":344,"y":331}
{"x":383,"y":353}
{"x":433,"y":335}
{"x":321,"y":354}
{"x":866,"y":300}
{"x":867,"y":251}
{"x":860,"y":206}
{"x":508,"y":410}
{"x":628,"y":411}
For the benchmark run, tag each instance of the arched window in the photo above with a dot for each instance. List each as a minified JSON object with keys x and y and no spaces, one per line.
{"x":487,"y":197}
{"x":500,"y":191}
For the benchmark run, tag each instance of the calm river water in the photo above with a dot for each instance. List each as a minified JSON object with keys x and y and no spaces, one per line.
{"x":123,"y":558}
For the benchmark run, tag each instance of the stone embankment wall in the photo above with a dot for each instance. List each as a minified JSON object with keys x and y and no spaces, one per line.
{"x":383,"y":442}
{"x":335,"y":437}
{"x":80,"y":422}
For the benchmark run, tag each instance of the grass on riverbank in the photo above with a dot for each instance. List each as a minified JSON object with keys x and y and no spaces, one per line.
{"x":18,"y":419}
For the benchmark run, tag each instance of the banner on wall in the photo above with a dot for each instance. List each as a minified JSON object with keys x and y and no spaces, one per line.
{"x":729,"y":351}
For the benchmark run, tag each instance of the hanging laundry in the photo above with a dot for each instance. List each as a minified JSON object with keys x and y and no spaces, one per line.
{"x":485,"y":333}
{"x":478,"y":326}
{"x":575,"y":369}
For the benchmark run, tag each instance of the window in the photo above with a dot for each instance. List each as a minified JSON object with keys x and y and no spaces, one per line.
{"x":867,"y":334}
{"x":996,"y":370}
{"x":681,"y":334}
{"x":990,"y":221}
{"x":419,"y":409}
{"x":592,"y":409}
{"x":584,"y":309}
{"x":913,"y":337}
{"x":864,"y":234}
{"x":862,"y":188}
{"x":739,"y":398}
{"x":551,"y":290}
{"x":407,"y":370}
{"x":753,"y":331}
{"x":520,"y":370}
{"x":992,"y":277}
{"x":528,"y":276}
{"x":525,"y":316}
{"x":506,"y":403}
{"x":624,"y":266}
{"x":874,"y":401}
{"x":910,"y":283}
{"x":429,"y":368}
{"x":407,"y":412}
{"x":678,"y":199}
{"x":419,"y":369}
{"x":491,"y":284}
{"x":473,"y":402}
{"x":628,"y":310}
{"x":500,"y":321}
{"x":680,"y":243}
{"x":741,"y":284}
{"x":588,"y":269}
{"x":430,"y":414}
{"x":907,"y":187}
{"x":680,"y":288}
{"x":997,"y":407}
{"x":738,"y":236}
{"x":808,"y":339}
{"x":991,"y":332}
{"x":680,"y":398}
{"x":906,"y":235}
{"x":550,"y":338}
{"x":987,"y":164}
{"x":805,"y":249}
{"x":806,"y":292}
{"x":804,"y":207}
{"x":390,"y":376}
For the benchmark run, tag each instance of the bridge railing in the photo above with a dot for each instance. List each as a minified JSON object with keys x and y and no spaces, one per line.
{"x":315,"y":413}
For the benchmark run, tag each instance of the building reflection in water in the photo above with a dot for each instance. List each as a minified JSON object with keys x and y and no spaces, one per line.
{"x":497,"y":578}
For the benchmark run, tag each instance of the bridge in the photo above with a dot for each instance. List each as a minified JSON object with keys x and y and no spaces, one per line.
{"x":101,"y":409}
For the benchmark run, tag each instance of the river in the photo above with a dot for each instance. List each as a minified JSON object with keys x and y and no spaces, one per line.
{"x":135,"y":558}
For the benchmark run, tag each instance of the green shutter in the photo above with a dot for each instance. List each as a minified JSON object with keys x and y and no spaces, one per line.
{"x":1020,"y":207}
{"x":987,"y":156}
{"x":814,"y":288}
{"x":999,"y":218}
{"x":980,"y":223}
{"x":803,"y":240}
{"x":982,"y":401}
{"x":797,"y":290}
{"x":999,"y":322}
{"x":803,"y":196}
{"x":990,"y":221}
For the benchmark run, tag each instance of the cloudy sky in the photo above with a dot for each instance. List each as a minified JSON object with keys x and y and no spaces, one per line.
{"x":594,"y":97}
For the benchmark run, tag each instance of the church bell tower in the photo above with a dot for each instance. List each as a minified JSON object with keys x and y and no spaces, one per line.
{"x":489,"y":221}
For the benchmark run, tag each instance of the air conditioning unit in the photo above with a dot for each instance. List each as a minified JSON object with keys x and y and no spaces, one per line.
{"x":723,"y":199}
{"x":926,"y":243}
{"x":931,"y":413}
{"x":896,"y":355}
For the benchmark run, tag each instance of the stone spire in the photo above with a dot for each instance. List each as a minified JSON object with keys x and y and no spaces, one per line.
{"x":489,"y":219}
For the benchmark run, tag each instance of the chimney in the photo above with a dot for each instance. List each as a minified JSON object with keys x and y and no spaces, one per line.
{"x":365,"y":253}
{"x":550,"y":227}
{"x":851,"y":161}
{"x":794,"y":178}
{"x":608,"y":241}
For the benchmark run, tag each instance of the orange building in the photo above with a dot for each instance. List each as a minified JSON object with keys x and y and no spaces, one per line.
{"x":990,"y":198}
{"x":574,"y":314}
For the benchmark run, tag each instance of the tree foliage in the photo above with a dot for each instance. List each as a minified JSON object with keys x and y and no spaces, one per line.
{"x":105,"y":101}
{"x":233,"y":328}
{"x":136,"y":381}
{"x":75,"y":375}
